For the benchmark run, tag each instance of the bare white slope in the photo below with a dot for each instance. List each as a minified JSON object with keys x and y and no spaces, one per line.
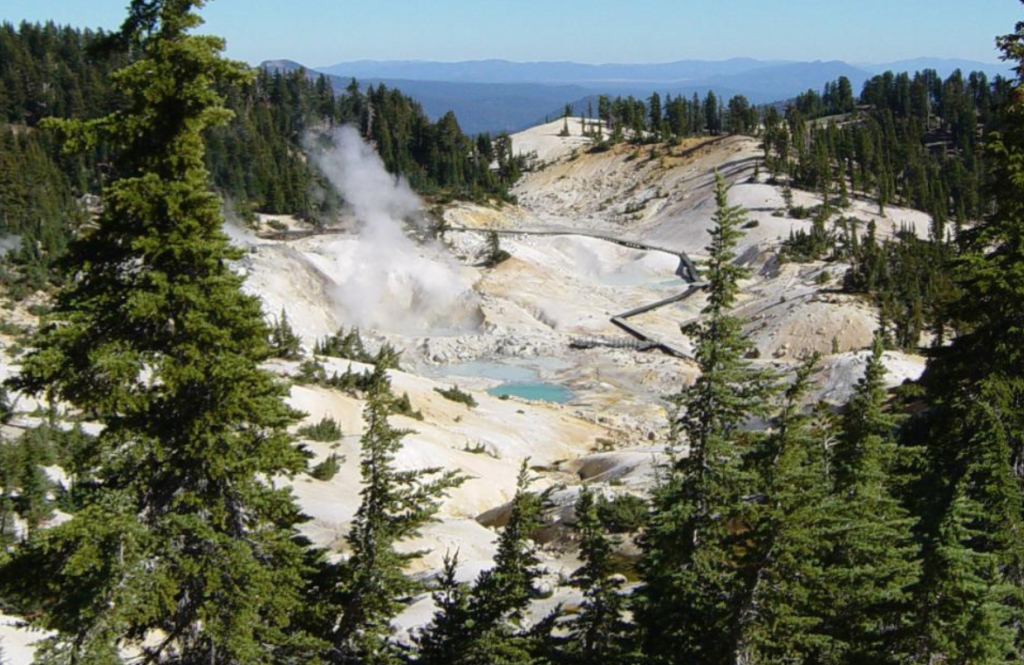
{"x":16,"y":642}
{"x":547,"y":142}
{"x":487,"y":444}
{"x":664,"y":195}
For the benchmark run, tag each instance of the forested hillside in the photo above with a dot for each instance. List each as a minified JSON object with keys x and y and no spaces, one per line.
{"x":911,"y":141}
{"x":907,"y":141}
{"x":670,"y":118}
{"x":256,"y":161}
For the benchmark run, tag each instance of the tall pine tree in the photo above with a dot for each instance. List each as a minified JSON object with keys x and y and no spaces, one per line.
{"x":973,"y":428}
{"x":482,"y":625}
{"x":781,"y":621}
{"x":872,"y":561}
{"x":598,"y":632}
{"x":186,"y":551}
{"x":695,"y":573}
{"x":395,"y":506}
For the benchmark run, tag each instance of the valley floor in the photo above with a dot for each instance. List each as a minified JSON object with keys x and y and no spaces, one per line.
{"x":516,"y":324}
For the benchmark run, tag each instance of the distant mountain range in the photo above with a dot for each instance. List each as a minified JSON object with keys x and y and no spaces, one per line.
{"x":503,"y":71}
{"x":683,"y":72}
{"x":496,"y":95}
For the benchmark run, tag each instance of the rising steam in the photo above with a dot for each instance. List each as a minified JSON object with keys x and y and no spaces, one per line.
{"x":385,"y":280}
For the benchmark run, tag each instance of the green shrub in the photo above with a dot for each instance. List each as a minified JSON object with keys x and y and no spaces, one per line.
{"x":635,"y":207}
{"x":479,"y":449}
{"x":327,"y":469}
{"x":403,"y":407}
{"x":326,"y":431}
{"x":456,"y":395}
{"x":11,"y":329}
{"x":625,"y":513}
{"x":346,"y":345}
{"x":800,"y":212}
{"x":314,"y":373}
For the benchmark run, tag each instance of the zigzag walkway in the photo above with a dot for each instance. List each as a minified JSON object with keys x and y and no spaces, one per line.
{"x":620,"y":320}
{"x":642,"y":341}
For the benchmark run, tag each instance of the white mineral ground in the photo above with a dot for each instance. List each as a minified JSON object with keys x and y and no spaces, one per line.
{"x":522,"y":315}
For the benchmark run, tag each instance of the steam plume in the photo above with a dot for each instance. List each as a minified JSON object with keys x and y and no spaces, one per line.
{"x":385,"y":280}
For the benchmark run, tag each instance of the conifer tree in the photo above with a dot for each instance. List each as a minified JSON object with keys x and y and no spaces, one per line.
{"x":865,"y":422}
{"x":966,"y":619}
{"x":7,"y":495}
{"x":598,"y":631}
{"x":711,"y":116}
{"x":655,"y":112}
{"x":495,"y":254}
{"x":787,"y":196}
{"x":6,"y":409}
{"x":445,"y":640}
{"x":782,"y":619}
{"x":33,"y":501}
{"x":7,"y":475}
{"x":186,"y":552}
{"x":284,"y":343}
{"x":480,"y":626}
{"x":502,"y":594}
{"x":872,"y":562}
{"x":694,"y":577}
{"x":395,"y":506}
{"x":973,"y":428}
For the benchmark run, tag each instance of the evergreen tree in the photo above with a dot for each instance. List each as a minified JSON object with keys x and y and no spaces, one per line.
{"x":7,"y":494}
{"x":695,"y":573}
{"x":6,"y":408}
{"x":284,"y":343}
{"x":495,"y":254}
{"x":711,"y":116}
{"x":872,"y":561}
{"x":395,"y":506}
{"x":783,"y":617}
{"x":481,"y":626}
{"x":866,"y":423}
{"x":598,"y":631}
{"x":966,"y":619}
{"x":348,"y":345}
{"x":445,"y":641}
{"x":33,"y":501}
{"x":186,"y":552}
{"x":655,"y":111}
{"x":973,"y":428}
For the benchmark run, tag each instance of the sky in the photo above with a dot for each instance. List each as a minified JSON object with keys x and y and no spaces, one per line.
{"x":323,"y":32}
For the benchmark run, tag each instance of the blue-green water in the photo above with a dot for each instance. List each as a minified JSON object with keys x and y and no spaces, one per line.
{"x":538,"y":392}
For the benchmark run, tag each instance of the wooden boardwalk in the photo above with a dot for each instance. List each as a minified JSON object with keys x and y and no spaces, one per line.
{"x":621,"y":321}
{"x":642,"y":341}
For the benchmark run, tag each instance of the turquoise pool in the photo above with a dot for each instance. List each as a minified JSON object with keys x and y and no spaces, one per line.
{"x":538,"y":392}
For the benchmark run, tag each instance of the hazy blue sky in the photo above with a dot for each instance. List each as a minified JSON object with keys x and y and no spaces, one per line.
{"x":322,"y":32}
